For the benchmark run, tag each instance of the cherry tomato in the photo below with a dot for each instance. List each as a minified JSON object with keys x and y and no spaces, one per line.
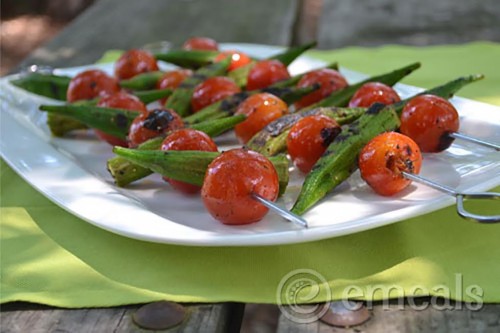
{"x":134,"y":62}
{"x":383,"y":159}
{"x":329,"y":80}
{"x":212,"y":90}
{"x":187,"y":139}
{"x":260,"y":109}
{"x":266,"y":72}
{"x":309,"y":138}
{"x":151,"y":124}
{"x":172,"y":80}
{"x":120,"y":100}
{"x":90,"y":84}
{"x":231,"y":179}
{"x":200,"y":43}
{"x":374,"y":92}
{"x":238,"y":59}
{"x":428,"y":120}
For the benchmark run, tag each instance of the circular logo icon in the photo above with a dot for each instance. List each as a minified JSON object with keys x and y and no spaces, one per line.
{"x":298,"y":296}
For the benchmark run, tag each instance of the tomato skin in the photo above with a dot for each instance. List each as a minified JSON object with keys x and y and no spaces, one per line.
{"x":120,"y":100}
{"x":374,"y":92}
{"x":266,"y":72}
{"x":172,"y":80}
{"x":231,"y":179}
{"x":152,"y":124}
{"x":260,"y":109}
{"x":212,"y":90}
{"x":187,"y":139}
{"x":384,"y":157}
{"x":309,"y":138}
{"x":134,"y":62}
{"x":329,"y":80}
{"x":238,"y":59}
{"x":90,"y":84}
{"x":200,"y":43}
{"x":428,"y":120}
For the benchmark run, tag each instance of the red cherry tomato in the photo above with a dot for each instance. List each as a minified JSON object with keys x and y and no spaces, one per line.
{"x":172,"y":80}
{"x":212,"y":90}
{"x":428,"y":120}
{"x":260,"y":109}
{"x":200,"y":43}
{"x":266,"y":72}
{"x":231,"y":179}
{"x":383,"y":159}
{"x":329,"y":80}
{"x":187,"y":139}
{"x":120,"y":100}
{"x":238,"y":59}
{"x":374,"y":92}
{"x":152,"y":124}
{"x":91,"y":84}
{"x":309,"y":138}
{"x":134,"y":62}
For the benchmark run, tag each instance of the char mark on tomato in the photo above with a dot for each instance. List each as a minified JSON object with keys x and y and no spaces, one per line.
{"x":375,"y":108}
{"x":158,"y":120}
{"x":229,"y":105}
{"x":121,"y":120}
{"x":445,"y":141}
{"x":328,"y":134}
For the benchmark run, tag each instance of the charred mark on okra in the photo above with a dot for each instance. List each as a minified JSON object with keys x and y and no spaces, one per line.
{"x":121,"y":120}
{"x":375,"y":108}
{"x":328,"y":134}
{"x":158,"y":120}
{"x":229,"y":104}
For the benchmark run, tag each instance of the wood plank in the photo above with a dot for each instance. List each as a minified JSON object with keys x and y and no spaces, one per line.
{"x":115,"y":24}
{"x":413,"y":22}
{"x":395,"y":318}
{"x":24,"y":317}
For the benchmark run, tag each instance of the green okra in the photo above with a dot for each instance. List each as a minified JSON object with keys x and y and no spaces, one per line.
{"x":48,"y":85}
{"x":144,"y":81}
{"x":180,"y":100}
{"x":189,"y":166}
{"x":340,"y":159}
{"x":148,"y":96}
{"x":188,"y":59}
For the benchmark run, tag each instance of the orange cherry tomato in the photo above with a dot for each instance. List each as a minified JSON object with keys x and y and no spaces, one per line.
{"x":120,"y":100}
{"x":172,"y":79}
{"x":374,"y":92}
{"x":212,"y":90}
{"x":238,"y":59}
{"x":151,"y":124}
{"x":91,"y":84}
{"x":200,"y":43}
{"x":428,"y":120}
{"x":309,"y":138}
{"x":134,"y":62}
{"x":383,"y":159}
{"x":329,"y":80}
{"x":187,"y":139}
{"x":231,"y":179}
{"x":266,"y":72}
{"x":260,"y":109}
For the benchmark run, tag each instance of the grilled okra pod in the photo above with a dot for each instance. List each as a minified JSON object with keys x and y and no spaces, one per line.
{"x":188,"y":59}
{"x":48,"y":85}
{"x":144,"y":81}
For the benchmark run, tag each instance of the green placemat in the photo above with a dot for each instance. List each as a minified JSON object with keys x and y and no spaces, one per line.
{"x":49,"y":256}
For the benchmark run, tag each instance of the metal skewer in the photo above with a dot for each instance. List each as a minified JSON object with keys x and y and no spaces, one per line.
{"x":460,"y":198}
{"x":281,"y":211}
{"x":457,"y":135}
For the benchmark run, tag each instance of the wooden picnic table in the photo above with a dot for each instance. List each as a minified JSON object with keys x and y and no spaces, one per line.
{"x":114,"y":24}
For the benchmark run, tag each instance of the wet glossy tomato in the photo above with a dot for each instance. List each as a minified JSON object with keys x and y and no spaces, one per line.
{"x":238,"y":59}
{"x":383,"y":159}
{"x":134,"y":62}
{"x":187,"y":139}
{"x":266,"y":72}
{"x":231,"y":179}
{"x":172,"y":79}
{"x":428,"y":120}
{"x":329,"y":80}
{"x":120,"y":100}
{"x":309,"y":138}
{"x":212,"y":90}
{"x":91,"y":84}
{"x":260,"y":109}
{"x":152,"y":124}
{"x":373,"y":92}
{"x":200,"y":43}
